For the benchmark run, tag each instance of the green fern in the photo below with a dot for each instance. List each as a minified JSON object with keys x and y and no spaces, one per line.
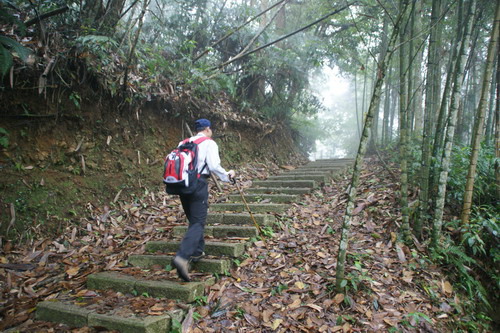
{"x":455,"y":256}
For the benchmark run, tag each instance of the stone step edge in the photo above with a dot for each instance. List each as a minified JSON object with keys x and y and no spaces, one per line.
{"x":254,"y":207}
{"x":278,"y":189}
{"x":222,"y":231}
{"x":76,"y":316}
{"x":285,"y":183}
{"x":234,"y":250}
{"x":183,"y":291}
{"x":205,"y":265}
{"x":280,"y":198}
{"x":239,"y":219}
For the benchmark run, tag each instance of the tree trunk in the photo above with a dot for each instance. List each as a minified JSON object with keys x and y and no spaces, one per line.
{"x":111,"y":16}
{"x":393,"y":111}
{"x":480,"y":114}
{"x":404,"y":65}
{"x":132,"y":47}
{"x":374,"y":132}
{"x":344,"y":241}
{"x":450,"y":130}
{"x":387,"y":109}
{"x":430,"y":110}
{"x":418,"y":121}
{"x":491,"y":108}
{"x":497,"y":132}
{"x":358,"y":126}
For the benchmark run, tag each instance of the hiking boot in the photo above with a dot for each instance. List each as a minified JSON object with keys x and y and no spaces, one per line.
{"x":182,"y":266}
{"x":197,"y":258}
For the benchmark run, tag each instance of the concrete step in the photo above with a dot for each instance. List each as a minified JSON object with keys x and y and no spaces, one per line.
{"x":222,"y":231}
{"x":283,"y":190}
{"x":335,"y":160}
{"x":76,"y":316}
{"x":276,"y":198}
{"x":146,"y":261}
{"x":240,"y":219}
{"x":211,"y":248}
{"x":183,"y":291}
{"x":330,"y":168}
{"x":284,"y":183}
{"x":316,"y":178}
{"x":330,"y":163}
{"x":307,"y":172}
{"x":254,"y":207}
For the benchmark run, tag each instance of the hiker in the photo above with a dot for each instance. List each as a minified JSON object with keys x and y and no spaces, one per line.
{"x":195,"y":205}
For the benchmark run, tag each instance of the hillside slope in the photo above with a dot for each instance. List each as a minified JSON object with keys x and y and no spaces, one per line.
{"x":65,"y":151}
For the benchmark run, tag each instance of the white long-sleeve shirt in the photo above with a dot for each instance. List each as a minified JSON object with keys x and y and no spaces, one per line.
{"x":208,"y":152}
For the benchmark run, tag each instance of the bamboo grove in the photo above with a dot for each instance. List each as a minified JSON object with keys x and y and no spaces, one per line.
{"x":429,"y":75}
{"x":445,"y":98}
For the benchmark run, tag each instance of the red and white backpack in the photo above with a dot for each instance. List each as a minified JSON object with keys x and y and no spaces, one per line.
{"x":180,"y":174}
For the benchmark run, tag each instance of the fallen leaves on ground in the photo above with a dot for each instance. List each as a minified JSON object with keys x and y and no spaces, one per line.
{"x":284,"y":284}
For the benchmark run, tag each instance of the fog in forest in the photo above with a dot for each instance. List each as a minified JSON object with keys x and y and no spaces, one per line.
{"x":339,"y":119}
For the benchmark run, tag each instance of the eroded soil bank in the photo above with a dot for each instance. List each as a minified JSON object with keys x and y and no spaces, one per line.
{"x":63,"y":153}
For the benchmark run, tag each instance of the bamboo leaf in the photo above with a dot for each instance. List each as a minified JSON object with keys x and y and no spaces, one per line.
{"x":5,"y":60}
{"x":16,"y":48}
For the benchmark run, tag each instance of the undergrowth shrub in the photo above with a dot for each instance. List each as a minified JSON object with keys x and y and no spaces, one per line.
{"x":484,"y":186}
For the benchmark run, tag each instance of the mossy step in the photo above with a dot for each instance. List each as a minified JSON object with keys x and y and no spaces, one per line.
{"x":284,"y":183}
{"x":145,"y":261}
{"x":316,"y":178}
{"x":76,"y":316}
{"x":278,"y":198}
{"x":322,"y":166}
{"x":254,"y":207}
{"x":333,"y":160}
{"x":306,"y":172}
{"x":221,"y":231}
{"x":211,"y":248}
{"x":183,"y":291}
{"x":240,"y":219}
{"x":283,"y":190}
{"x":330,"y":163}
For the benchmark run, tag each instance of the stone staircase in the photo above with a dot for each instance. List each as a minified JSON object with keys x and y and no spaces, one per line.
{"x":228,"y":230}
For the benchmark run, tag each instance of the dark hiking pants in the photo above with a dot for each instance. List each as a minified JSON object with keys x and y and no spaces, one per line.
{"x":196,"y":208}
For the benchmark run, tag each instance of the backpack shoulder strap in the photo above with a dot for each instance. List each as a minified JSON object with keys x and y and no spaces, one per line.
{"x":200,"y":140}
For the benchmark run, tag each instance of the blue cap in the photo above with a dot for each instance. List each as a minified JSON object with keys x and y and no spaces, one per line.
{"x":201,"y":124}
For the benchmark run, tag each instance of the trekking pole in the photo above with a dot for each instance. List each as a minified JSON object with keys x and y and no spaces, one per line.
{"x":233,"y":181}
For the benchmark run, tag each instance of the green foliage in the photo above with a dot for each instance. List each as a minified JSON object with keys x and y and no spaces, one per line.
{"x":356,"y":277}
{"x":75,"y":98}
{"x":201,"y":300}
{"x":176,"y":326}
{"x":412,"y":319}
{"x":279,"y":289}
{"x":484,"y":187}
{"x":197,"y":316}
{"x":267,"y":231}
{"x":4,"y":138}
{"x":461,"y":267}
{"x":483,"y":232}
{"x":9,"y":49}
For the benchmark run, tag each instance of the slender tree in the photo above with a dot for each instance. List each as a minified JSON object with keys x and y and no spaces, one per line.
{"x":416,"y":78}
{"x":497,"y":132}
{"x":377,"y":91}
{"x":403,"y":123}
{"x":145,"y":5}
{"x":450,"y":129}
{"x":430,"y":93}
{"x":491,"y":108}
{"x":480,"y":114}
